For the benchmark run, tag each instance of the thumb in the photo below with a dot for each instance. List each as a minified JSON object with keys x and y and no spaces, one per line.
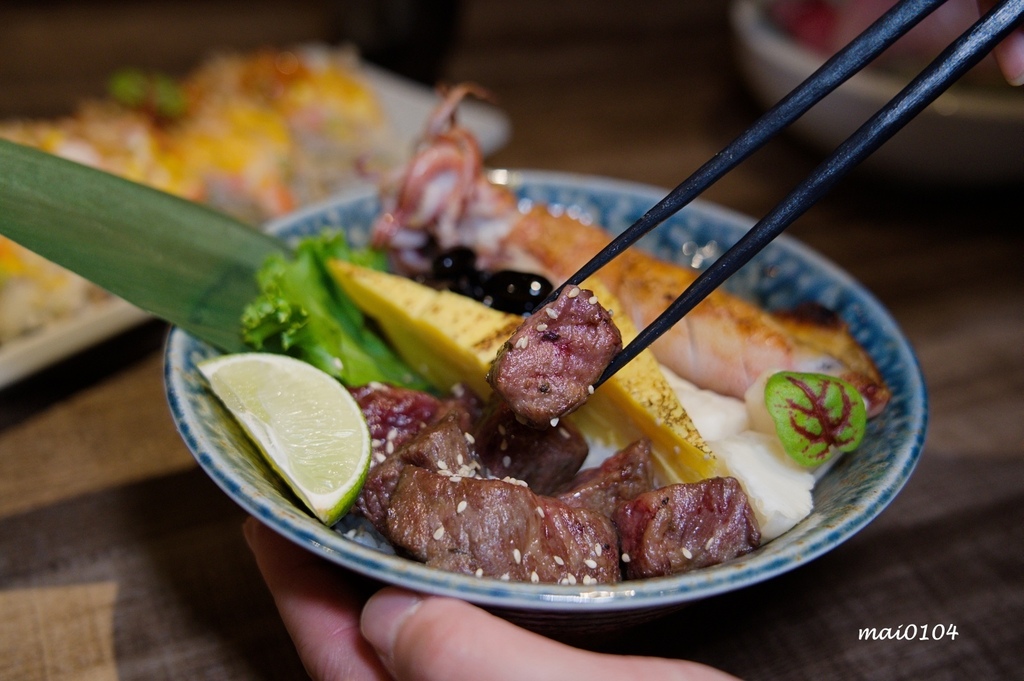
{"x":444,"y":639}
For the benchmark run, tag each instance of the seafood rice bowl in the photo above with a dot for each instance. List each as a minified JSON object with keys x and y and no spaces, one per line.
{"x":844,"y":496}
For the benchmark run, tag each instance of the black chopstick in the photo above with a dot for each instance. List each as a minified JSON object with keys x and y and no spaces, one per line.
{"x":954,"y":61}
{"x":833,"y":73}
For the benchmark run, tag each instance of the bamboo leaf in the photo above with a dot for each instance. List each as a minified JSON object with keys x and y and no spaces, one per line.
{"x":176,"y":259}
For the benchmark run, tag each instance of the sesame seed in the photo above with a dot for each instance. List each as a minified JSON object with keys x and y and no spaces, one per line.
{"x":590,"y":389}
{"x":504,"y":445}
{"x":392,"y":434}
{"x":588,"y":580}
{"x":439,"y":532}
{"x":458,"y":458}
{"x":505,"y":577}
{"x":501,"y":429}
{"x":625,"y":557}
{"x":542,"y":327}
{"x":506,"y":461}
{"x":376,"y":385}
{"x":445,"y":471}
{"x":380,"y":457}
{"x":517,"y":556}
{"x":390,"y":447}
{"x":686,"y":552}
{"x":571,"y":578}
{"x":559,"y":561}
{"x":540,"y":511}
{"x":564,"y":433}
{"x":470,"y":439}
{"x":590,"y":563}
{"x":563,"y":580}
{"x":534,"y":577}
{"x":462,"y":506}
{"x":522,"y":343}
{"x":551,"y":313}
{"x":598,"y":549}
{"x":554,"y":422}
{"x":442,"y":465}
{"x":458,"y":390}
{"x":479,"y":572}
{"x":455,"y":478}
{"x":592,"y":300}
{"x":573,"y":292}
{"x":709,"y":542}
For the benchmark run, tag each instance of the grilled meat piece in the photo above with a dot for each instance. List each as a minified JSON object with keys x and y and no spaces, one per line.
{"x":493,"y":528}
{"x":685,"y":526}
{"x":548,"y":367}
{"x":438,"y":447}
{"x":622,"y":477}
{"x":545,"y":459}
{"x":395,"y":414}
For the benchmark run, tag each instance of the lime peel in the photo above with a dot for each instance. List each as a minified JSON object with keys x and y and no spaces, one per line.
{"x":308,"y":427}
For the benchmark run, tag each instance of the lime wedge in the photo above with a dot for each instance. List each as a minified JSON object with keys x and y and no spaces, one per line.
{"x":306,"y":424}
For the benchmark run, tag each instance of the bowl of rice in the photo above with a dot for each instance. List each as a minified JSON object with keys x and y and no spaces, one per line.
{"x":845,"y":498}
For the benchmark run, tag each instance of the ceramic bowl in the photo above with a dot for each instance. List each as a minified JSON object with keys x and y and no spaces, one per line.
{"x":848,"y":497}
{"x":970,"y":135}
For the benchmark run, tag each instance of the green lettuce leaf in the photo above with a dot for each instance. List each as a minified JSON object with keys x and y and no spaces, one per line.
{"x":303,"y":313}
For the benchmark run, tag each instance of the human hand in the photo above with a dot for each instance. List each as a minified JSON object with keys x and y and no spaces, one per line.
{"x":1009,"y":54}
{"x":403,"y":635}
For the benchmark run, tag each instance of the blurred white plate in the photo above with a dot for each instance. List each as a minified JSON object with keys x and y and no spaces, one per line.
{"x":968,"y":136}
{"x":407,"y":105}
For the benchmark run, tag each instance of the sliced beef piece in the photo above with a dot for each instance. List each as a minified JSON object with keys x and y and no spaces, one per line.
{"x":493,"y":528}
{"x":441,"y":446}
{"x":622,"y":477}
{"x":684,"y":527}
{"x":395,"y":414}
{"x":545,"y":459}
{"x":549,"y":365}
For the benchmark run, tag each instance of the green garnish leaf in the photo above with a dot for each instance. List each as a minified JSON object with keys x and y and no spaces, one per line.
{"x":302,"y":312}
{"x":815,"y":415}
{"x":157,"y":94}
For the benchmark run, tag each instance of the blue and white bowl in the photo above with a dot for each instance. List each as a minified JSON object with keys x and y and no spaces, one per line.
{"x":848,"y":497}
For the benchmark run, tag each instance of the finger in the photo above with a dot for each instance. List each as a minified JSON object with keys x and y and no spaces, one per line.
{"x":443,"y":639}
{"x":1009,"y":53}
{"x":319,"y":610}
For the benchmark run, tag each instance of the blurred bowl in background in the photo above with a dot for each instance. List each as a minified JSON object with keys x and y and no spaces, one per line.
{"x":971,"y":135}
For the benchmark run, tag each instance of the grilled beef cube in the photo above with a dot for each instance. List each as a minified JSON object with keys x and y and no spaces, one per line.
{"x":621,"y":477}
{"x":684,"y":527}
{"x":395,"y":414}
{"x":548,"y":367}
{"x":545,"y":459}
{"x":493,"y":528}
{"x":438,"y":447}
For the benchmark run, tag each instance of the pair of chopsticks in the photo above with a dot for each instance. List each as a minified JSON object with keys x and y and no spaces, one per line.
{"x":953,"y":62}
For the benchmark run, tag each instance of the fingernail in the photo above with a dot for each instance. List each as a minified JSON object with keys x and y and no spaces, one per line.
{"x":383,"y":617}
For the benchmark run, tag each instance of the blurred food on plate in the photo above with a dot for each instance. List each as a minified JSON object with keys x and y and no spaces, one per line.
{"x":825,"y":26}
{"x":255,"y":135}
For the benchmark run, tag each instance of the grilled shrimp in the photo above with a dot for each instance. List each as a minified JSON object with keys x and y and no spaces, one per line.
{"x":443,"y":198}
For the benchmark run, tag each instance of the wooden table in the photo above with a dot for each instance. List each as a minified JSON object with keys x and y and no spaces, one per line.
{"x":120,"y":559}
